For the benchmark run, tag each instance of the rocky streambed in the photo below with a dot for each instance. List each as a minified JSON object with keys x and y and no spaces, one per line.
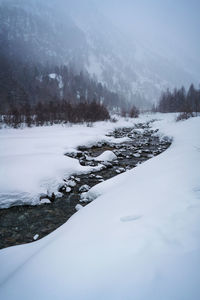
{"x":24,"y":224}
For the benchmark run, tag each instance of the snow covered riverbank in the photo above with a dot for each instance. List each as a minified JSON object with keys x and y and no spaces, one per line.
{"x":32,"y":159}
{"x":139,"y":240}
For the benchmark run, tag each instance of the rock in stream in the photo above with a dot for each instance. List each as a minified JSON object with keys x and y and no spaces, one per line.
{"x":24,"y":224}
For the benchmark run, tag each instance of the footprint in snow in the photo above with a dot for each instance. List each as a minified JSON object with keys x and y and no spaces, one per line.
{"x":130,"y":218}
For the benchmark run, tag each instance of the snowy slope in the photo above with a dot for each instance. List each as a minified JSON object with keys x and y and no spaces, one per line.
{"x":139,"y":240}
{"x":78,"y":34}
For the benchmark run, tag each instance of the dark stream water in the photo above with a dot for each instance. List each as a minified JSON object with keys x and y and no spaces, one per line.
{"x":23,"y":224}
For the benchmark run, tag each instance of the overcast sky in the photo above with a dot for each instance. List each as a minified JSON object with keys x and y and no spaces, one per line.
{"x":171,"y":25}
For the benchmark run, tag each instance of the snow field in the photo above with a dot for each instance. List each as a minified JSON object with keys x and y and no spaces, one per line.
{"x":138,"y":240}
{"x":32,"y":160}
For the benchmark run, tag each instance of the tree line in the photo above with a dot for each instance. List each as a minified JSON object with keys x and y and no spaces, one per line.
{"x":55,"y":113}
{"x":27,"y":83}
{"x":179,"y":100}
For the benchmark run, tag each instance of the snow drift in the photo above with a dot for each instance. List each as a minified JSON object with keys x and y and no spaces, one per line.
{"x":32,"y":160}
{"x":138,"y":240}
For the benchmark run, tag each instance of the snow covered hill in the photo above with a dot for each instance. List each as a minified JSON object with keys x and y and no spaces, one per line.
{"x":77,"y":33}
{"x":138,"y":240}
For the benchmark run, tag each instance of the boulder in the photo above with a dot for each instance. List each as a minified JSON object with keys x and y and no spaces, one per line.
{"x":78,"y":207}
{"x":84,"y":188}
{"x":106,"y":156}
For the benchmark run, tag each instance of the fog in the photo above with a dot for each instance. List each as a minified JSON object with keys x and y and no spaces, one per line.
{"x":136,"y":48}
{"x":170,"y":27}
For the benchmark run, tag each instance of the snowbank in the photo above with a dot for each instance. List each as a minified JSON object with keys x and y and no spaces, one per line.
{"x":139,"y":240}
{"x":32,"y":160}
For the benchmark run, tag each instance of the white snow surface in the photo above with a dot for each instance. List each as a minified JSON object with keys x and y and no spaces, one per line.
{"x":32,"y":160}
{"x":106,"y":156}
{"x":58,"y":78}
{"x":140,"y":239}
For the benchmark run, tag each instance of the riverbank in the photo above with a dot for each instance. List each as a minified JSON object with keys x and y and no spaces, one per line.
{"x":23,"y":224}
{"x":32,"y":159}
{"x":139,"y":239}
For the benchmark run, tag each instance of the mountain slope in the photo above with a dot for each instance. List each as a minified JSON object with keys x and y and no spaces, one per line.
{"x":78,"y":34}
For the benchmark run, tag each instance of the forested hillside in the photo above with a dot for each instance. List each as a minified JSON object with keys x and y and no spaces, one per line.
{"x":66,"y":33}
{"x":29,"y":83}
{"x":180,"y":100}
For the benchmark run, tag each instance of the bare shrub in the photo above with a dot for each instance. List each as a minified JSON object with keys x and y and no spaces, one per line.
{"x":134,"y":112}
{"x":184,"y":116}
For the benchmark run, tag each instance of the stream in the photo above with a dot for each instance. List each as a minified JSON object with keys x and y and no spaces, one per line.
{"x":24,"y":224}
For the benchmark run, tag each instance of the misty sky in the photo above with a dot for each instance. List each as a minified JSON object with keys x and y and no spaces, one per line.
{"x":167,"y":27}
{"x":170,"y":25}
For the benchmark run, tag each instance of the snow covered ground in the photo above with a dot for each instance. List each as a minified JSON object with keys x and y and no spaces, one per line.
{"x":32,"y":159}
{"x":140,"y":239}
